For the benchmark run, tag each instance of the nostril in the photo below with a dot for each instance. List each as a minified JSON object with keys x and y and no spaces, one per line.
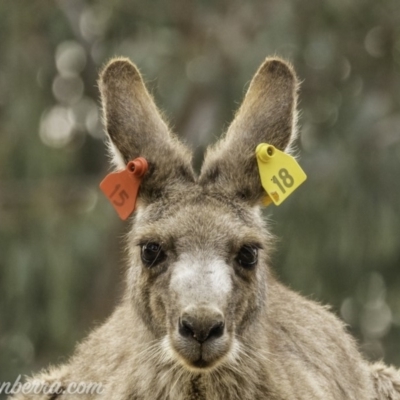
{"x":186,"y":329}
{"x":216,"y":330}
{"x":200,"y":330}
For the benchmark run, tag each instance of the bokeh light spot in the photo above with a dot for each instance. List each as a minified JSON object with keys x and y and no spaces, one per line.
{"x":68,"y":90}
{"x":94,"y":22}
{"x":70,"y":58}
{"x":374,"y":42}
{"x":56,"y":127}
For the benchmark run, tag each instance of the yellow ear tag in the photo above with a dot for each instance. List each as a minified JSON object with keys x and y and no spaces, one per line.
{"x":280,"y":173}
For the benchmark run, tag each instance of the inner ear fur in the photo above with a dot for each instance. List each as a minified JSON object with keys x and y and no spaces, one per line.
{"x":136,"y":129}
{"x":267,"y":115}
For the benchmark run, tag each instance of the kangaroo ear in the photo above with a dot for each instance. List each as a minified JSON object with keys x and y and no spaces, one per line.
{"x":136,"y":128}
{"x":267,"y":115}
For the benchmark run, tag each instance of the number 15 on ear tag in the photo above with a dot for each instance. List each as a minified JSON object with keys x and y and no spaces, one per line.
{"x":280,"y":173}
{"x":121,"y":188}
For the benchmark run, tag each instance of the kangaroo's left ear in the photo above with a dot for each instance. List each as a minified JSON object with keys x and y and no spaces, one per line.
{"x":267,"y":115}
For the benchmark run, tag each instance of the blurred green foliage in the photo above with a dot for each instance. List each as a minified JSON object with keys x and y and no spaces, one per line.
{"x":61,"y":257}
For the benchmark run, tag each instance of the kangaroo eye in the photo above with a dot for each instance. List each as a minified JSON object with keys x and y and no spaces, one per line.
{"x":247,"y":256}
{"x":152,"y":254}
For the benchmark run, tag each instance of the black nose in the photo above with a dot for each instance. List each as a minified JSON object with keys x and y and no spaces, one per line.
{"x":201,"y":328}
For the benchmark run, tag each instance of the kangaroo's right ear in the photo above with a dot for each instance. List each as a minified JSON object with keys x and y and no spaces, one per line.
{"x":136,"y":129}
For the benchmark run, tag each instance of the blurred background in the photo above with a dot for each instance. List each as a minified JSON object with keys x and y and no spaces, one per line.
{"x":61,"y":257}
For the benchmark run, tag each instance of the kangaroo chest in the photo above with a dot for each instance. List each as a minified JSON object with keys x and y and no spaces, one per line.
{"x":196,"y":390}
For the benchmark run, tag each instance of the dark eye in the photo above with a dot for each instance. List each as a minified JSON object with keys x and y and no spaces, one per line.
{"x":247,"y":256}
{"x":152,"y":254}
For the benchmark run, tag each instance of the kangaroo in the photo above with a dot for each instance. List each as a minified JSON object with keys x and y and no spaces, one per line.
{"x":202,"y":315}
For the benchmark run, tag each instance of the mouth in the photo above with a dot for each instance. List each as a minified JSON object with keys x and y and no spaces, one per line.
{"x":200,"y":356}
{"x":200,"y":363}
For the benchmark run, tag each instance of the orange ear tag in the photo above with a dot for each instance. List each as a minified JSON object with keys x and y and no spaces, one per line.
{"x":121,"y":188}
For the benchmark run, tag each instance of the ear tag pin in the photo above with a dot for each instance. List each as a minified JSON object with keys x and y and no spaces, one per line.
{"x":280,"y":173}
{"x":121,"y":188}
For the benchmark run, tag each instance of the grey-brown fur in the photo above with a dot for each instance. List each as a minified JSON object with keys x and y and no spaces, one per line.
{"x":275,"y":344}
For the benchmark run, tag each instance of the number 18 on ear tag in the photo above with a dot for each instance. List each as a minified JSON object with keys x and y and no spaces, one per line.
{"x":121,"y":188}
{"x":280,"y":173}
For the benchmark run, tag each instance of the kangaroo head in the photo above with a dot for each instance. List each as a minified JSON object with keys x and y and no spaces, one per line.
{"x":198,"y":247}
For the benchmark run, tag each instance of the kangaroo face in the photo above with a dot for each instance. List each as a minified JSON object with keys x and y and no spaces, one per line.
{"x":198,"y":248}
{"x":198,"y":275}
